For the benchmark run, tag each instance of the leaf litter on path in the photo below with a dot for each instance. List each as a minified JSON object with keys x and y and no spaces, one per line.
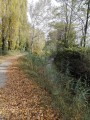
{"x":23,"y":99}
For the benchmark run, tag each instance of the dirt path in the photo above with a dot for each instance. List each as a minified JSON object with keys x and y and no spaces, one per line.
{"x":6,"y":62}
{"x":22,"y":99}
{"x":3,"y":69}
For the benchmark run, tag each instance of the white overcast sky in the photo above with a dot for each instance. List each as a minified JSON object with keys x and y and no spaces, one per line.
{"x":53,"y":1}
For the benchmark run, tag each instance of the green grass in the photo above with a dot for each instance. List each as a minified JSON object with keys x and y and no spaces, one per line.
{"x":69,"y":98}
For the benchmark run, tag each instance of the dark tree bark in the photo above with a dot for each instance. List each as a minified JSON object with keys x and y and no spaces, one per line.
{"x":3,"y":44}
{"x":3,"y":37}
{"x":86,"y":24}
{"x":9,"y":42}
{"x":9,"y":45}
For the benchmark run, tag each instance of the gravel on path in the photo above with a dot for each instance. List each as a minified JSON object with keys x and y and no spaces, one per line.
{"x":3,"y":69}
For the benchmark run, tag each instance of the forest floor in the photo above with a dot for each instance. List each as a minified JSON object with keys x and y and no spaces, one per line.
{"x":22,"y":99}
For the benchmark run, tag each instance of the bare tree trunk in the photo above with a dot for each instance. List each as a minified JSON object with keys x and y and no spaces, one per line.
{"x":86,"y":24}
{"x":3,"y":38}
{"x":19,"y":37}
{"x":66,"y":26}
{"x":9,"y":41}
{"x":3,"y":44}
{"x":9,"y":45}
{"x":71,"y":14}
{"x":32,"y":37}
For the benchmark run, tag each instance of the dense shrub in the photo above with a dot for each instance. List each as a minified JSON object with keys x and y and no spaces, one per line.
{"x":59,"y":86}
{"x":74,"y":63}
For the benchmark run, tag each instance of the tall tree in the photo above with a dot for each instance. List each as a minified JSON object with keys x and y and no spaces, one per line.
{"x":80,"y":12}
{"x":13,"y":22}
{"x":40,"y":14}
{"x":59,"y":35}
{"x":87,"y":21}
{"x":64,"y":14}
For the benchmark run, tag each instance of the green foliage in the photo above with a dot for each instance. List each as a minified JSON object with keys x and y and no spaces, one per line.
{"x":37,"y":40}
{"x":14,"y":28}
{"x":74,"y":62}
{"x":50,"y":48}
{"x":64,"y":34}
{"x":72,"y":103}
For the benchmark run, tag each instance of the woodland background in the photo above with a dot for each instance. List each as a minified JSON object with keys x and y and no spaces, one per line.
{"x":57,"y":41}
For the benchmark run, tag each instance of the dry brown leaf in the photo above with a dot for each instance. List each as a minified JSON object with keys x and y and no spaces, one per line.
{"x":21,"y":98}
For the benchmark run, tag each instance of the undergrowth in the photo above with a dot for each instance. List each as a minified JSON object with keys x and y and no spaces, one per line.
{"x":67,"y":95}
